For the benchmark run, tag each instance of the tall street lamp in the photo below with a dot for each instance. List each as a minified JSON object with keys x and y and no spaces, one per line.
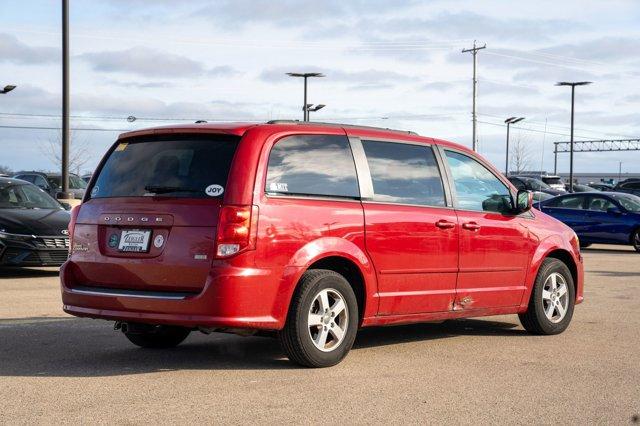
{"x":509,"y":121}
{"x":305,"y":106}
{"x":573,"y":91}
{"x":7,"y":89}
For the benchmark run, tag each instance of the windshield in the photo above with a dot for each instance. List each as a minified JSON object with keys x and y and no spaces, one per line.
{"x":20,"y":196}
{"x":188,"y":167}
{"x":553,"y":180}
{"x":74,"y":182}
{"x":629,"y":202}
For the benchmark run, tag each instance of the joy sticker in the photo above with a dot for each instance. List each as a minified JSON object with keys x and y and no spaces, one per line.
{"x":214,"y":190}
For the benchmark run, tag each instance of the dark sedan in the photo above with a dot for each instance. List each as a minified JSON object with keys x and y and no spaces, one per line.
{"x":33,"y":226}
{"x":630,"y":186}
{"x":598,"y":217}
{"x":532,"y":184}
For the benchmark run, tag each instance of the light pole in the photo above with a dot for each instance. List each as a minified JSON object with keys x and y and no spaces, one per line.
{"x":573,"y":92}
{"x":7,"y":89}
{"x":65,"y":101}
{"x":305,"y":106}
{"x":509,"y":121}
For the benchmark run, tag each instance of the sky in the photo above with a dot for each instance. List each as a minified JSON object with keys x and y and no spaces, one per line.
{"x":395,"y":64}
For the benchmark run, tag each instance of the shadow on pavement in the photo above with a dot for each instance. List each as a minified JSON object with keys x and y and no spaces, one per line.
{"x":13,"y":272}
{"x":382,"y":336}
{"x":616,"y":274}
{"x":611,"y":250}
{"x":74,"y":347}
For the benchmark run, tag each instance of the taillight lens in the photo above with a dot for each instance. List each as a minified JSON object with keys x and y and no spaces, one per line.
{"x":72,"y":224}
{"x":237,"y":230}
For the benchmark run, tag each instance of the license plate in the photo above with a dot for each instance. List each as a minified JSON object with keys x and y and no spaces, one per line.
{"x":134,"y":240}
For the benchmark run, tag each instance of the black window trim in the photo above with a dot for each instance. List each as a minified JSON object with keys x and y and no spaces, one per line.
{"x":366,"y":173}
{"x":500,"y":177}
{"x":561,"y":197}
{"x":303,"y":196}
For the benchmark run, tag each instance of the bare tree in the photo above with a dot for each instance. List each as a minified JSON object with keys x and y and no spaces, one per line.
{"x":5,"y":170}
{"x":520,"y":155}
{"x":78,"y":151}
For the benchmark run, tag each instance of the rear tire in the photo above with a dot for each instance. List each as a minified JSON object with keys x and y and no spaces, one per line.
{"x":323,"y":320}
{"x":160,"y":337}
{"x":552,"y":300}
{"x":635,"y":240}
{"x":585,"y":245}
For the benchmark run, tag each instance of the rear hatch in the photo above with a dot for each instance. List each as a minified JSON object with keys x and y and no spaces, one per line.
{"x":149,"y":222}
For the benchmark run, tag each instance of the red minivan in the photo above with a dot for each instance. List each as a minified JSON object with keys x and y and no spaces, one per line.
{"x":309,"y":231}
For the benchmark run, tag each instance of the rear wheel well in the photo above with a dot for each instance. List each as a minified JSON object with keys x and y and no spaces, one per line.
{"x":633,"y":233}
{"x":351,"y":272}
{"x":565,"y":257}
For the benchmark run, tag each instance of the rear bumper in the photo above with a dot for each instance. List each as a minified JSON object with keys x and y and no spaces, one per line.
{"x":231,"y":298}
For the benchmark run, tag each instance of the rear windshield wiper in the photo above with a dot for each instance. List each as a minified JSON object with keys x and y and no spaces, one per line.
{"x":167,"y":189}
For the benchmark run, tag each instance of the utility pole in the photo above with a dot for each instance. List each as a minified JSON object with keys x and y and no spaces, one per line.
{"x":573,"y":96}
{"x":474,"y":52}
{"x":619,"y":171}
{"x":65,"y":100}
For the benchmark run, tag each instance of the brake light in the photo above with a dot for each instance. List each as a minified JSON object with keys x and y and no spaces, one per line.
{"x":72,"y":224}
{"x":237,"y":230}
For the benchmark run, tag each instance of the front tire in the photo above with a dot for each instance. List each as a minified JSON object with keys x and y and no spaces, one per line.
{"x":552,"y":300}
{"x":323,"y":320}
{"x":158,"y":337}
{"x":635,"y":240}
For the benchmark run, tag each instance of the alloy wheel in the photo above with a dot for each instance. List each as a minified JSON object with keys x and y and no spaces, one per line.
{"x":555,"y":297}
{"x":328,"y":319}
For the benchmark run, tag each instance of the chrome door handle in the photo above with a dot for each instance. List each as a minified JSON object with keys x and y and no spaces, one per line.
{"x":471,"y":226}
{"x":445,"y":224}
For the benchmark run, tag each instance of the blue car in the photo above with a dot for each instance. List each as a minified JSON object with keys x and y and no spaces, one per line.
{"x":598,"y":217}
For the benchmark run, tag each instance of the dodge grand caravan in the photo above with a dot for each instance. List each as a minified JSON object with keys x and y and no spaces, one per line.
{"x":309,"y":231}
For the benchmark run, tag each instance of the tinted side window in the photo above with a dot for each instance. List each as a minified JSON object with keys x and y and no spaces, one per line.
{"x":312,"y":165}
{"x":600,"y":204}
{"x":404,"y":173}
{"x":476,"y":187}
{"x":575,"y":202}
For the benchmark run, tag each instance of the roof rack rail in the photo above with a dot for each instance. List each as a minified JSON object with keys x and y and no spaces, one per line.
{"x":353,"y":126}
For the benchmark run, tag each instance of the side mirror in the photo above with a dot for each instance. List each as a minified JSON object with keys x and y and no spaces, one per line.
{"x":66,"y":206}
{"x":614,"y":210}
{"x":43,"y":187}
{"x":524,"y":201}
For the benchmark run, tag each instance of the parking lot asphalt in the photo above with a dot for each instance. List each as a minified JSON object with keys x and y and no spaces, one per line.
{"x":58,"y":369}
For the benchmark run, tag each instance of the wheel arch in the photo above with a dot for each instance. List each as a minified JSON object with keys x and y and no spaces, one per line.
{"x":336,"y":254}
{"x":551,"y":248}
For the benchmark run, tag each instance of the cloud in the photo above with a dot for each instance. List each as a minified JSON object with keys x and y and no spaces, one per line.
{"x":13,"y":50}
{"x":150,"y":63}
{"x":293,"y":13}
{"x":603,"y":50}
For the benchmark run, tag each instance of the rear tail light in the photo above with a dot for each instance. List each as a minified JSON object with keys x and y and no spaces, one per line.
{"x":237,"y":230}
{"x":72,"y":224}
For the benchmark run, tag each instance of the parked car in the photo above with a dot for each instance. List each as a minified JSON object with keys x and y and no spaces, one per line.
{"x":603,"y":217}
{"x":630,"y":186}
{"x":582,"y":188}
{"x":309,"y":231}
{"x":601,"y":186}
{"x":33,"y":226}
{"x":541,"y":196}
{"x":533,"y":184}
{"x":52,"y":183}
{"x":86,"y":177}
{"x":554,"y":182}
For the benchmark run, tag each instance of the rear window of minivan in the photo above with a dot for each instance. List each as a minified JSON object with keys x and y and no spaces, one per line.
{"x":169,"y":166}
